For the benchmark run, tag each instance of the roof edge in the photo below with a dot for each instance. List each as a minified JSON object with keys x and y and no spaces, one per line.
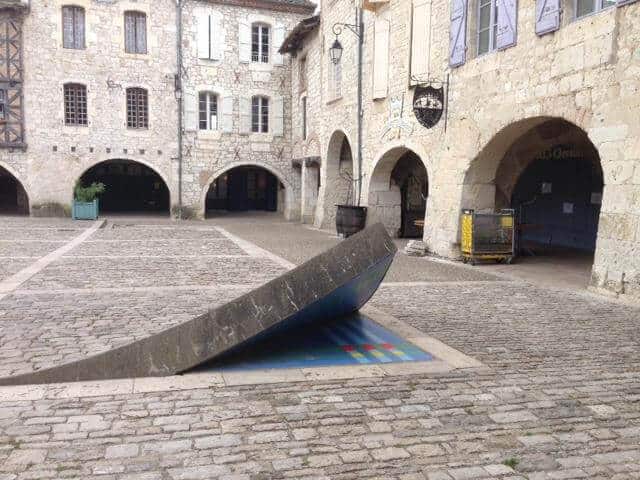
{"x":274,"y":5}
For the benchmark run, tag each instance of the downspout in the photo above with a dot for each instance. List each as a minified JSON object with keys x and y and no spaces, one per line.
{"x":178,"y":93}
{"x":360,"y":24}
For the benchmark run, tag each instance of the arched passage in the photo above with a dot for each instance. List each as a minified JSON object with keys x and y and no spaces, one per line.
{"x":549,"y":172}
{"x":130,"y":187}
{"x":339,"y":185}
{"x":245,"y":188}
{"x":398,"y":191}
{"x":13,"y":196}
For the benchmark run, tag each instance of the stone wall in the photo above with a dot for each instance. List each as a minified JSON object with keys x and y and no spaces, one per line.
{"x":57,"y":155}
{"x":586,"y":73}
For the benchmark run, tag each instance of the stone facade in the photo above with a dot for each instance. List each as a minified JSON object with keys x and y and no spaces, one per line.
{"x":584,"y":75}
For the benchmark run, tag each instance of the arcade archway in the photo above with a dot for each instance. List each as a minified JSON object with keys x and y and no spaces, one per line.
{"x":549,"y":172}
{"x":339,"y":185}
{"x":130,"y":187}
{"x":398,"y":191}
{"x":245,"y":188}
{"x":13,"y":196}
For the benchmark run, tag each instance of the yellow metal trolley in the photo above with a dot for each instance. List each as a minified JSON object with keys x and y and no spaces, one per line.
{"x":488,"y":236}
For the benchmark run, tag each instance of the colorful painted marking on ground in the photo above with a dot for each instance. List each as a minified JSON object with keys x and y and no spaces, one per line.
{"x":353,"y":341}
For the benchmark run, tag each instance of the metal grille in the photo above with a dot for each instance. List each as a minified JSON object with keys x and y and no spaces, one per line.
{"x":75,"y":104}
{"x":137,"y":108}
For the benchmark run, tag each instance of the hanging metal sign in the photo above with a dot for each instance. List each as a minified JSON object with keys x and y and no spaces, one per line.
{"x":428,"y":105}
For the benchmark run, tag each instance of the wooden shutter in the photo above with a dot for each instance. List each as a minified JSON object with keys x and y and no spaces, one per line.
{"x":226,"y":115}
{"x":216,"y":39}
{"x":381,"y":59}
{"x":278,"y":39}
{"x":203,"y":21}
{"x":68,"y":25}
{"x":245,"y":115}
{"x":191,"y":110}
{"x":79,"y":27}
{"x":129,"y":32}
{"x":507,"y":30}
{"x":420,"y":41}
{"x":277,"y":116}
{"x":244,"y":45}
{"x":141,"y":33}
{"x":458,"y":33}
{"x":547,"y":16}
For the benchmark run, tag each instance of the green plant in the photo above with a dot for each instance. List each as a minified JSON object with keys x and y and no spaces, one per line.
{"x":511,"y":462}
{"x":87,"y":194}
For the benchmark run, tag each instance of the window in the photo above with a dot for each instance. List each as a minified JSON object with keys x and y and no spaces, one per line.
{"x":75,"y":104}
{"x":587,"y":7}
{"x":260,"y":43}
{"x":208,"y":111}
{"x":260,"y":115}
{"x":73,"y":27}
{"x":303,"y":74}
{"x":3,"y":105}
{"x":137,"y":108}
{"x":487,"y":25}
{"x":304,"y":118}
{"x":135,"y":32}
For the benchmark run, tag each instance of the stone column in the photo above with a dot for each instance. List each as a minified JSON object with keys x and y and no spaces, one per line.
{"x":309,"y":200}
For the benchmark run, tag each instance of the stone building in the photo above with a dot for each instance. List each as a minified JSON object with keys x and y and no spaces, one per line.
{"x":485,"y":104}
{"x":91,"y":92}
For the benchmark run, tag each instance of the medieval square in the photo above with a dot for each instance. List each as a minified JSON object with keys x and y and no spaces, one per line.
{"x":332,"y":239}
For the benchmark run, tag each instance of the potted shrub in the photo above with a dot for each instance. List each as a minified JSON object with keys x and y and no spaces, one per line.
{"x":350,"y":219}
{"x":85,"y":201}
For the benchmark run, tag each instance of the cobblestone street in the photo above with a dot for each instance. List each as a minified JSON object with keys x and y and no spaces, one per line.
{"x":559,"y":397}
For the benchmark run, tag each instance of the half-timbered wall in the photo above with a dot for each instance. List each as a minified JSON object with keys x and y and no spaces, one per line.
{"x":11,"y":80}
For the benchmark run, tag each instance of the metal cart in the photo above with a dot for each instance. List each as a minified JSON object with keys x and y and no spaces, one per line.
{"x":488,"y":236}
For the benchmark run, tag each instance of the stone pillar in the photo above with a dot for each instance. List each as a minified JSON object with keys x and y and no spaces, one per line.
{"x":309,"y":200}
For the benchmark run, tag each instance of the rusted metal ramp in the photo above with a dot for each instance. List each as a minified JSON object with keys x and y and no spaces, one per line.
{"x":334,"y":284}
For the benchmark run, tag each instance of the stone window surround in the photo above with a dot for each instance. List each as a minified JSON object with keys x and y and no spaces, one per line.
{"x":75,"y":98}
{"x":221,"y":93}
{"x":271,"y":23}
{"x":133,"y":6}
{"x":74,"y":9}
{"x":210,"y":11}
{"x":137,"y":131}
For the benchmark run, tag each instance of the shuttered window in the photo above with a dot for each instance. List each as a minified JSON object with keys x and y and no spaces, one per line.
{"x":420,"y":40}
{"x":547,"y":16}
{"x":587,"y":7}
{"x":497,"y":24}
{"x":73,"y":27}
{"x":137,"y":108}
{"x":260,"y":43}
{"x":381,"y":58}
{"x":208,"y":111}
{"x":260,"y":114}
{"x":135,"y":32}
{"x":458,"y":33}
{"x":75,"y":104}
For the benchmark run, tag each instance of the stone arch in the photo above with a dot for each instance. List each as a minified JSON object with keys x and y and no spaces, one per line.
{"x":398,"y":189}
{"x":287,"y":203}
{"x":510,"y":172}
{"x":14,"y":198}
{"x":339,"y":167}
{"x":136,"y":185}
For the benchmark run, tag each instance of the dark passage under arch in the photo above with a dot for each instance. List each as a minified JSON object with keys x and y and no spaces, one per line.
{"x":243,"y":189}
{"x":130,"y":187}
{"x":13,"y":197}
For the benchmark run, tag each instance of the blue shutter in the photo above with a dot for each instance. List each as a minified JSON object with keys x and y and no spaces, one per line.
{"x":547,"y":16}
{"x":507,"y":23}
{"x":458,"y":33}
{"x":620,"y":3}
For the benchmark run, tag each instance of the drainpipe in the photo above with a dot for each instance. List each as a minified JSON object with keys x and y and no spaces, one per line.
{"x":360,"y":24}
{"x":178,"y":93}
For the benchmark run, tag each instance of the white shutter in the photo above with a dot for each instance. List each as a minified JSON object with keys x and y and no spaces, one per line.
{"x":190,"y":103}
{"x":278,"y":39}
{"x":245,"y":115}
{"x":216,"y":40}
{"x":203,"y":34}
{"x":420,"y":41}
{"x":381,"y":59}
{"x":244,"y":42}
{"x":277,"y":116}
{"x":226,"y":115}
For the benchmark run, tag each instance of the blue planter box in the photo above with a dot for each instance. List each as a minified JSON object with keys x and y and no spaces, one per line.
{"x":85,"y":210}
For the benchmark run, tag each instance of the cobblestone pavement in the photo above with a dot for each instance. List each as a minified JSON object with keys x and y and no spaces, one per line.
{"x":560,"y":398}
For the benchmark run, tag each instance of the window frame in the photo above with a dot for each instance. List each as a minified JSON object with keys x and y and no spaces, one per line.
{"x":260,"y":119}
{"x":136,"y":14}
{"x":137,"y":115}
{"x":598,"y":6}
{"x":492,"y":28}
{"x":209,"y":98}
{"x":263,"y":54}
{"x":75,"y":105}
{"x":74,"y":9}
